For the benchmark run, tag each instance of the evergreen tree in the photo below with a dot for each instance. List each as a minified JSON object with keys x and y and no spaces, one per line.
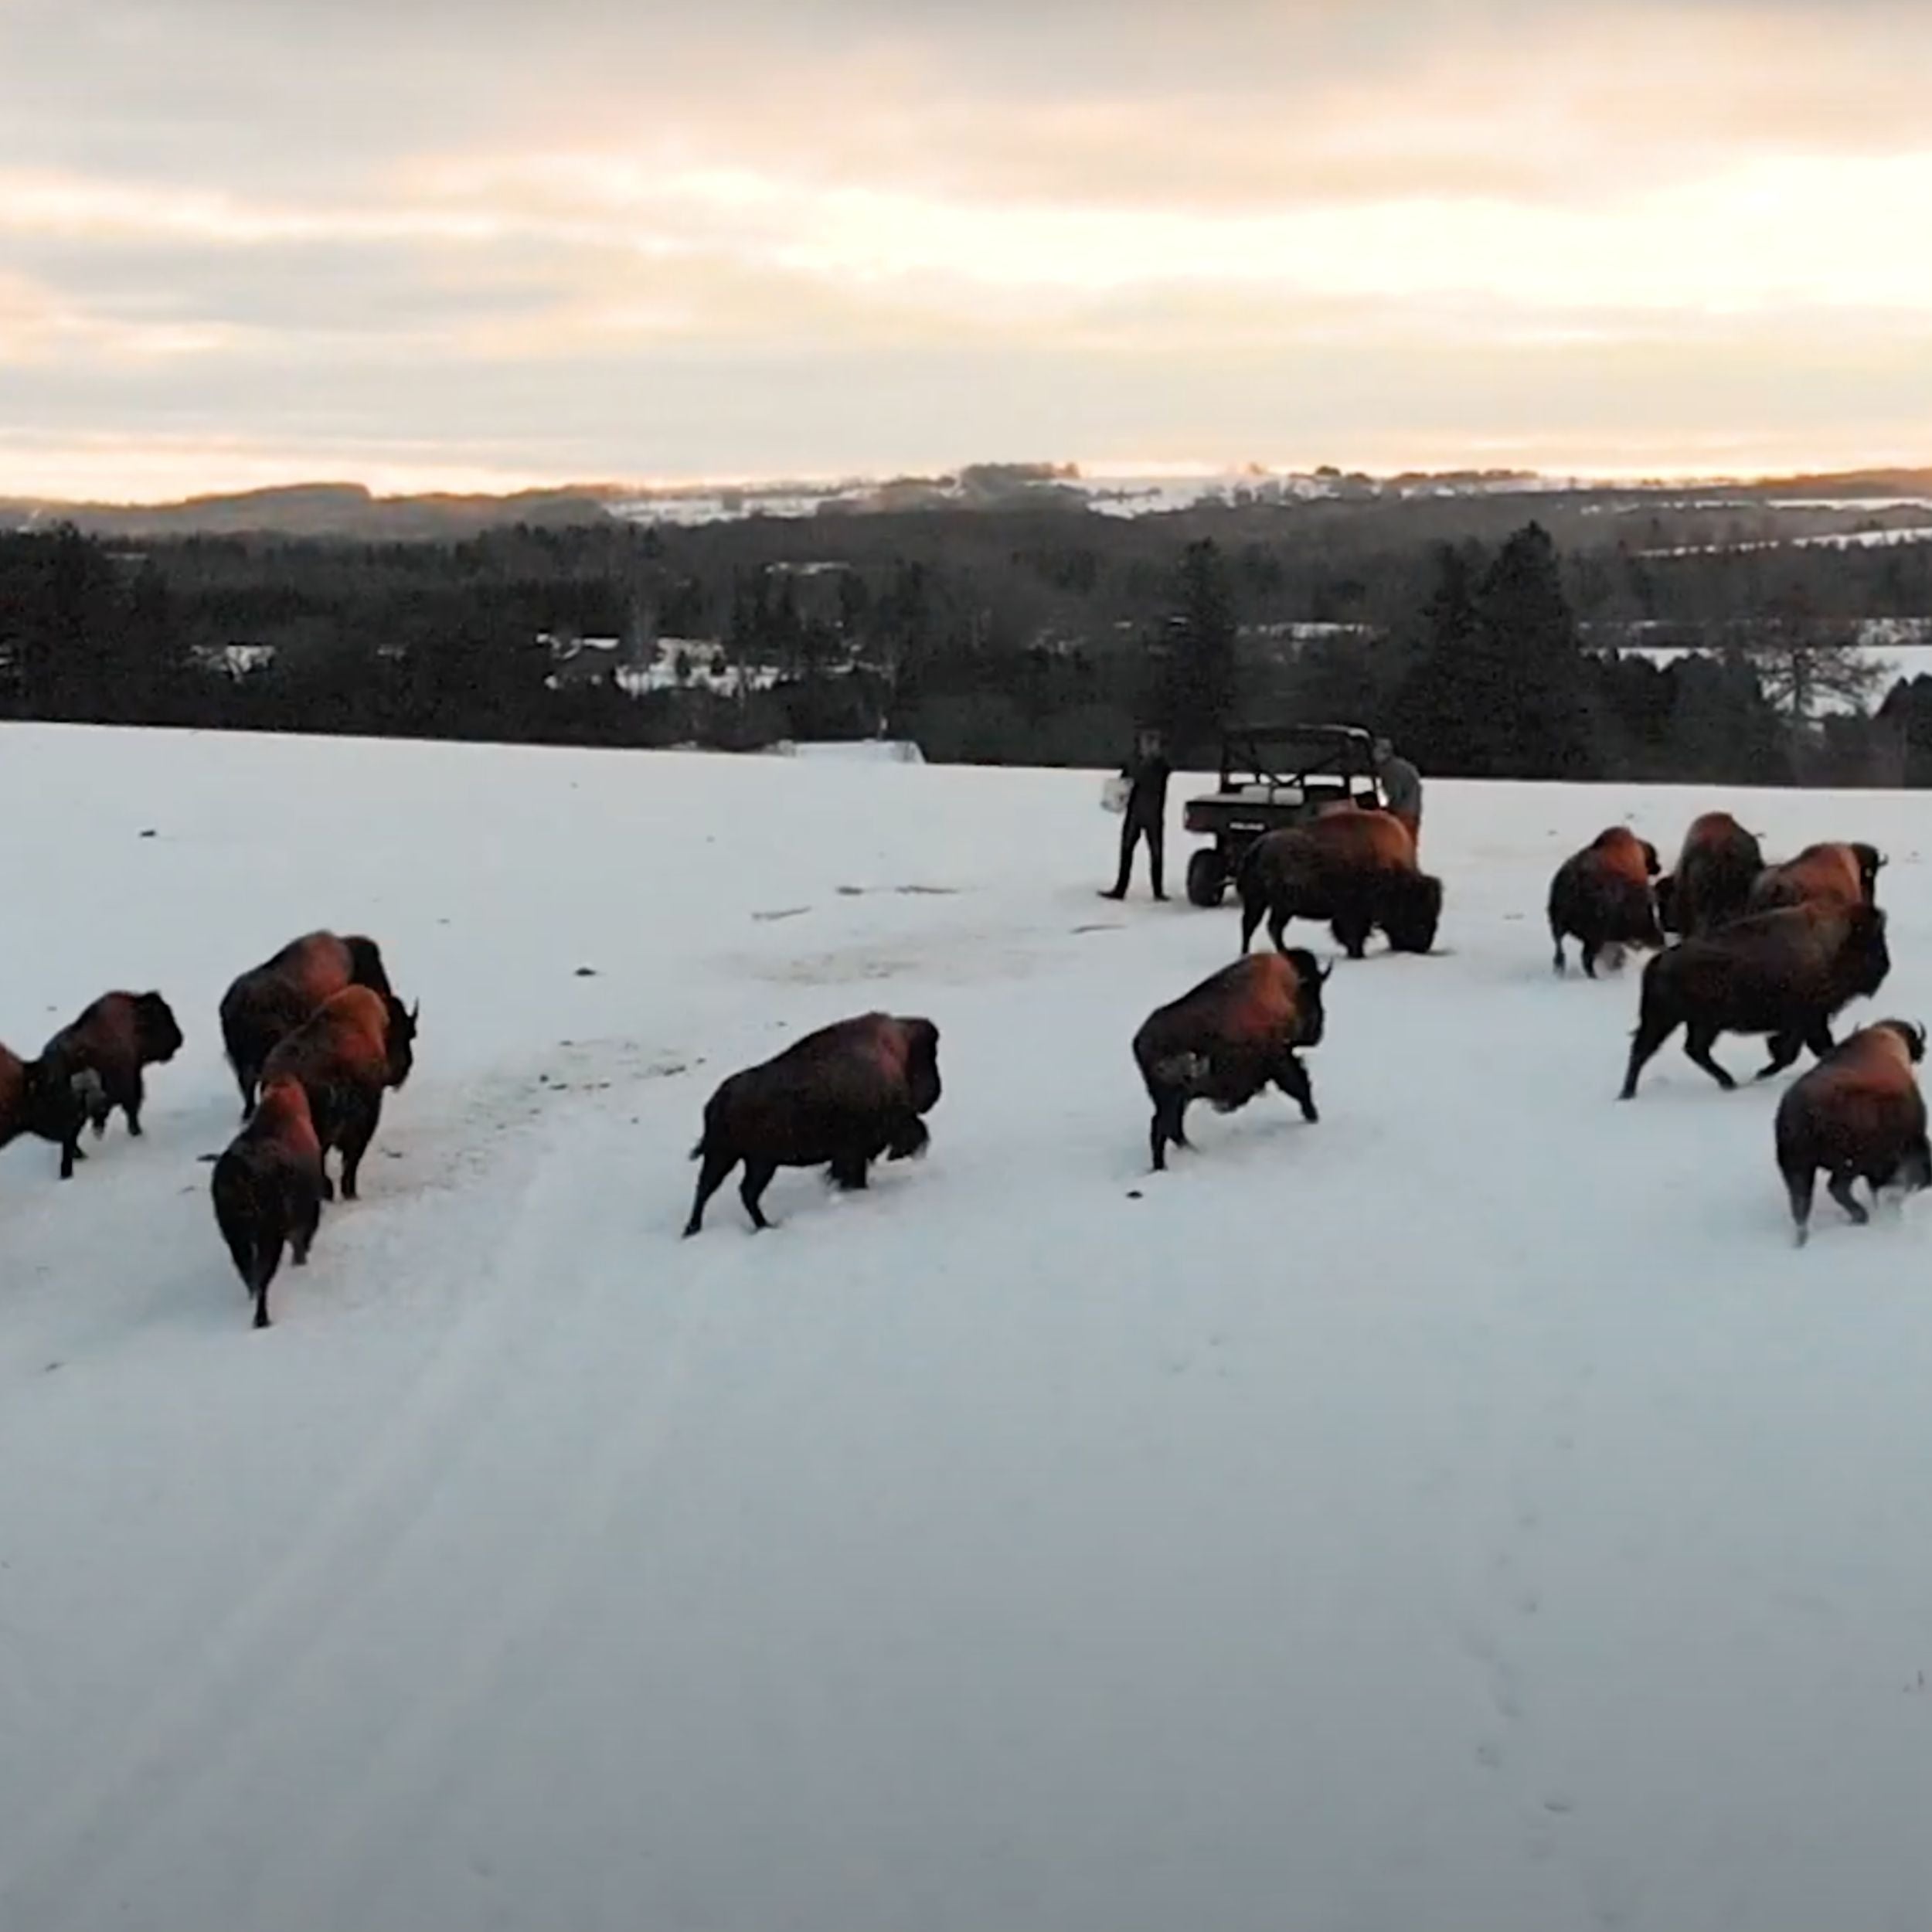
{"x":1438,"y":714}
{"x":1200,"y":655}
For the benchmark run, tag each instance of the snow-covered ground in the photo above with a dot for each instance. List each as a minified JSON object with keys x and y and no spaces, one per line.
{"x":1468,"y":1514}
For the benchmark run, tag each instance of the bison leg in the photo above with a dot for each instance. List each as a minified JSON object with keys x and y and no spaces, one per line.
{"x":758,"y":1175}
{"x":308,"y":1218}
{"x":127,"y":1092}
{"x":1252,"y":908}
{"x":359,"y":1123}
{"x":1350,"y":931}
{"x":1799,"y":1183}
{"x":1699,"y":1038}
{"x":1839,"y":1188}
{"x":711,"y":1176}
{"x":1652,"y":1033}
{"x":1785,"y":1048}
{"x":1818,"y":1037}
{"x":1278,"y":917}
{"x":71,"y":1151}
{"x":1559,"y":963}
{"x":1589,"y":945}
{"x":1168,"y":1113}
{"x":1292,"y":1077}
{"x":848,"y":1172}
{"x":267,"y":1260}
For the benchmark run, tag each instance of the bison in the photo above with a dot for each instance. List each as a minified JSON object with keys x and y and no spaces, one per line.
{"x":113,"y":1040}
{"x":269,"y":1001}
{"x":1785,"y":973}
{"x":268,"y":1188}
{"x":358,"y":1044}
{"x":1227,"y":1039}
{"x":1858,"y":1115}
{"x":1602,"y":896}
{"x":838,"y":1098}
{"x":46,"y":1101}
{"x":1354,"y":869}
{"x":1716,"y":870}
{"x":1831,"y":874}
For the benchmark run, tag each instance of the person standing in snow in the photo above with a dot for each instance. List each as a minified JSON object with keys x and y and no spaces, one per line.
{"x":1401,"y":786}
{"x":1147,"y":773}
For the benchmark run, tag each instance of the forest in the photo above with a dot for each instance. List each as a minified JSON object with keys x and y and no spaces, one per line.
{"x":1490,"y":635}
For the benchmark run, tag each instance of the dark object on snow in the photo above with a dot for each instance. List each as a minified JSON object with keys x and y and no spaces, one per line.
{"x":269,"y":1001}
{"x":357,"y":1045}
{"x":1228,"y":1037}
{"x":1858,"y":1115}
{"x":118,"y":1036}
{"x":1715,"y":871}
{"x":1784,"y":973}
{"x":1831,"y":874}
{"x":838,"y":1098}
{"x":1356,"y":869}
{"x":46,"y":1102}
{"x":268,"y":1188}
{"x":1147,"y":773}
{"x":1602,"y":897}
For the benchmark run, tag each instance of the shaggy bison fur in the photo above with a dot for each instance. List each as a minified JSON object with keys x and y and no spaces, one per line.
{"x":1354,"y":869}
{"x":113,"y":1040}
{"x":267,"y":1188}
{"x":1716,"y":870}
{"x":46,"y":1102}
{"x":1836,"y":874}
{"x":269,"y":1001}
{"x":838,"y":1098}
{"x":1602,"y":897}
{"x":1785,"y":973}
{"x":1226,"y":1040}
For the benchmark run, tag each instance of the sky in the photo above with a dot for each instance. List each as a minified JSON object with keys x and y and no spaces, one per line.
{"x":464,"y":244}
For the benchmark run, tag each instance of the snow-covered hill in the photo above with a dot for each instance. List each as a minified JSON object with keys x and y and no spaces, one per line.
{"x":1468,"y":1513}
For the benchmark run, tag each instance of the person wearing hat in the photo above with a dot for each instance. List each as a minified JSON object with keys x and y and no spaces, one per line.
{"x":1147,"y":773}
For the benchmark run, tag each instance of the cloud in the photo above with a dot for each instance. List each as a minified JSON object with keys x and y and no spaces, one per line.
{"x":871,"y":230}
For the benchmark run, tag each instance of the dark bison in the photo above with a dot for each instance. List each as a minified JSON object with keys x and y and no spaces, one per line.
{"x":1858,"y":1115}
{"x":1716,"y":870}
{"x":47,"y":1102}
{"x":268,"y":1186}
{"x":1834,"y":874}
{"x":113,"y":1040}
{"x":1227,"y":1039}
{"x":269,"y":1001}
{"x":1602,"y":897}
{"x":838,"y":1098}
{"x":357,"y":1044}
{"x":1784,"y":973}
{"x":1354,"y":869}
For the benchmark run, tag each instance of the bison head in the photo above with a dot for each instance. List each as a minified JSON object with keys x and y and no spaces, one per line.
{"x":401,"y":1045}
{"x":1413,"y":912}
{"x":156,"y":1029}
{"x":1871,"y":862}
{"x":1309,"y":979}
{"x":922,"y":1064}
{"x":1865,"y":957}
{"x":365,"y":966}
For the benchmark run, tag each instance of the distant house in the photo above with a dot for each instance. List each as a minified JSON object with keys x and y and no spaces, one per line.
{"x":233,"y":661}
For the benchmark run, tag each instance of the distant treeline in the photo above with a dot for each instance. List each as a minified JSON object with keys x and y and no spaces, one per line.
{"x":1470,"y":628}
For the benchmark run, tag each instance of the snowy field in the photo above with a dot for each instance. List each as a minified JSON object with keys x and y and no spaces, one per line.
{"x":1466,"y":1515}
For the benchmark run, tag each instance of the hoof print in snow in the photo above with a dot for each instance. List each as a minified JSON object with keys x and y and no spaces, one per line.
{"x":150,"y":833}
{"x":207,"y":1160}
{"x":586,"y":972}
{"x":783,"y":912}
{"x":1134,"y":1194}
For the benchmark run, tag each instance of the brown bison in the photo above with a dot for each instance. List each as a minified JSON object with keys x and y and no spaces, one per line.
{"x":269,"y":1001}
{"x":356,"y":1045}
{"x":1833,"y":874}
{"x":838,"y":1098}
{"x":1785,"y":973}
{"x":1716,"y":870}
{"x":46,"y":1101}
{"x":1226,"y":1040}
{"x":1602,"y":896}
{"x":1858,"y":1115}
{"x":1354,"y":869}
{"x":268,"y":1188}
{"x":114,"y":1039}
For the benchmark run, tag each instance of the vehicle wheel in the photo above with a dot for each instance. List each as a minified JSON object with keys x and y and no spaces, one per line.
{"x":1206,"y":882}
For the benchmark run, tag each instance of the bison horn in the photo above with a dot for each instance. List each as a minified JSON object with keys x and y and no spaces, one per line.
{"x":415,"y":1012}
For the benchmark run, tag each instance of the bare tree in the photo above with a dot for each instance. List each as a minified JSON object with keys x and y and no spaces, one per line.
{"x":1804,"y":661}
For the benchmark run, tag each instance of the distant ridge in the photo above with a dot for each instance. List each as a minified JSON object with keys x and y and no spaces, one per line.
{"x":352,"y":512}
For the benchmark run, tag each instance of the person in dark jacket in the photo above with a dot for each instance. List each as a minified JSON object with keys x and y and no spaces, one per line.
{"x":1147,"y":772}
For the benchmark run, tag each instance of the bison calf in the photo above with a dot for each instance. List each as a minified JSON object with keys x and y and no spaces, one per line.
{"x":1226,"y":1040}
{"x":1784,"y":973}
{"x":47,"y":1102}
{"x":1859,"y":1116}
{"x":269,"y":1001}
{"x":1356,"y":869}
{"x":268,"y":1189}
{"x":838,"y":1098}
{"x":113,"y":1040}
{"x":1602,"y":896}
{"x":356,"y":1045}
